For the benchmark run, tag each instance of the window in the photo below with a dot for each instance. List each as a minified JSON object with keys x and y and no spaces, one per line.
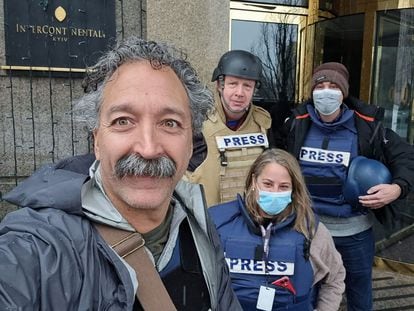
{"x":340,"y":40}
{"x":393,"y":77}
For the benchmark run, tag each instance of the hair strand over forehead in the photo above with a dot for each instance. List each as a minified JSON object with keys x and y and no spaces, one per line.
{"x":134,"y":49}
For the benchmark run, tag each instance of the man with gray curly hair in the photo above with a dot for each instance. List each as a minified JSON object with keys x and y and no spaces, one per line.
{"x":143,"y":104}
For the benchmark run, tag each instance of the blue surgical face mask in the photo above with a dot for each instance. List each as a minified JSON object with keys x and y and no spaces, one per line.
{"x":327,"y":101}
{"x":273,"y":203}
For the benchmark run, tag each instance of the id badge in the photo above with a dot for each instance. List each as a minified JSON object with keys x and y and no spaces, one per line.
{"x":265,"y":299}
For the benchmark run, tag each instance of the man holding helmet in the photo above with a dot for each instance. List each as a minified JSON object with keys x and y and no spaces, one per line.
{"x":328,"y":134}
{"x":235,"y":133}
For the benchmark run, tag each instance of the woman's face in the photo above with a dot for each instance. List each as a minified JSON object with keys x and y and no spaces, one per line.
{"x":274,"y":178}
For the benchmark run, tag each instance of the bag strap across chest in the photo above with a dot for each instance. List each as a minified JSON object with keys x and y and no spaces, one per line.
{"x":151,"y":292}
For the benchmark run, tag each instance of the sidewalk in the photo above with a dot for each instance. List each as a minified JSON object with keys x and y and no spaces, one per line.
{"x":391,"y":291}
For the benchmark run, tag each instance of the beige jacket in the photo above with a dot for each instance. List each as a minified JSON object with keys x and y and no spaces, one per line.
{"x":220,"y":183}
{"x":328,"y":267}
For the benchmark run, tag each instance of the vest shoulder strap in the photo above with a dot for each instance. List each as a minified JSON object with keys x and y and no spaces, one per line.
{"x":129,"y":246}
{"x":262,"y":117}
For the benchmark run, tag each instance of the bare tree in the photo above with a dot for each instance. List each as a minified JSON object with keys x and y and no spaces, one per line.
{"x":277,"y":48}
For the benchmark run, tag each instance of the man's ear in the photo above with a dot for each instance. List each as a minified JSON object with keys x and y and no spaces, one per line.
{"x":220,"y":82}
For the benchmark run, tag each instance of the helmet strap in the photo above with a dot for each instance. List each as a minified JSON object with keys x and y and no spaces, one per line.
{"x":221,"y":81}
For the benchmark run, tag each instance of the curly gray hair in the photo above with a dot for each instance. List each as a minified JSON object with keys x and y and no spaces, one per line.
{"x":134,"y":49}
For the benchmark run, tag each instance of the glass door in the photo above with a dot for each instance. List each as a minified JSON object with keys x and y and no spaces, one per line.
{"x":393,"y":78}
{"x":273,"y":34}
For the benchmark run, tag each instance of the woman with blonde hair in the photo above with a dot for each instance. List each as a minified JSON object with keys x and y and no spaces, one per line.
{"x":280,"y":257}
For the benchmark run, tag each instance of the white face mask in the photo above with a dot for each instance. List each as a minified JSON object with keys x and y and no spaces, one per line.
{"x":327,"y":101}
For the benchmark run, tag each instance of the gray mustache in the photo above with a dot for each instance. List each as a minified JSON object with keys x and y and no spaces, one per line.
{"x":134,"y":165}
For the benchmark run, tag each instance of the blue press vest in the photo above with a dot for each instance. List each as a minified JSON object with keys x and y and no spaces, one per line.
{"x":324,"y":159}
{"x":244,"y":250}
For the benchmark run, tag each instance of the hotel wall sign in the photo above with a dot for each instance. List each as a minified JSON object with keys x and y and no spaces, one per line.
{"x":57,"y":35}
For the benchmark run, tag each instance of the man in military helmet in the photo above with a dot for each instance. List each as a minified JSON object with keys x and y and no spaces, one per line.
{"x":235,"y":133}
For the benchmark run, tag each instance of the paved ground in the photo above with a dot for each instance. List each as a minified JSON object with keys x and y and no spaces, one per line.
{"x":392,"y":291}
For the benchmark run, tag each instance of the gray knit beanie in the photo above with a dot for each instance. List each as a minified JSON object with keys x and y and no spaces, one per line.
{"x":332,"y":72}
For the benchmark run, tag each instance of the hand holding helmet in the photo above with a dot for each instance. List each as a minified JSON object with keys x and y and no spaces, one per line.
{"x":368,"y":184}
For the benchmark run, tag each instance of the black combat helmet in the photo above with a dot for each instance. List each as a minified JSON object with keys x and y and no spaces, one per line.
{"x":239,"y":63}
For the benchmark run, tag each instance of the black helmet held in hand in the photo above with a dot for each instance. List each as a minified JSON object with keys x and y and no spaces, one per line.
{"x":239,"y":63}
